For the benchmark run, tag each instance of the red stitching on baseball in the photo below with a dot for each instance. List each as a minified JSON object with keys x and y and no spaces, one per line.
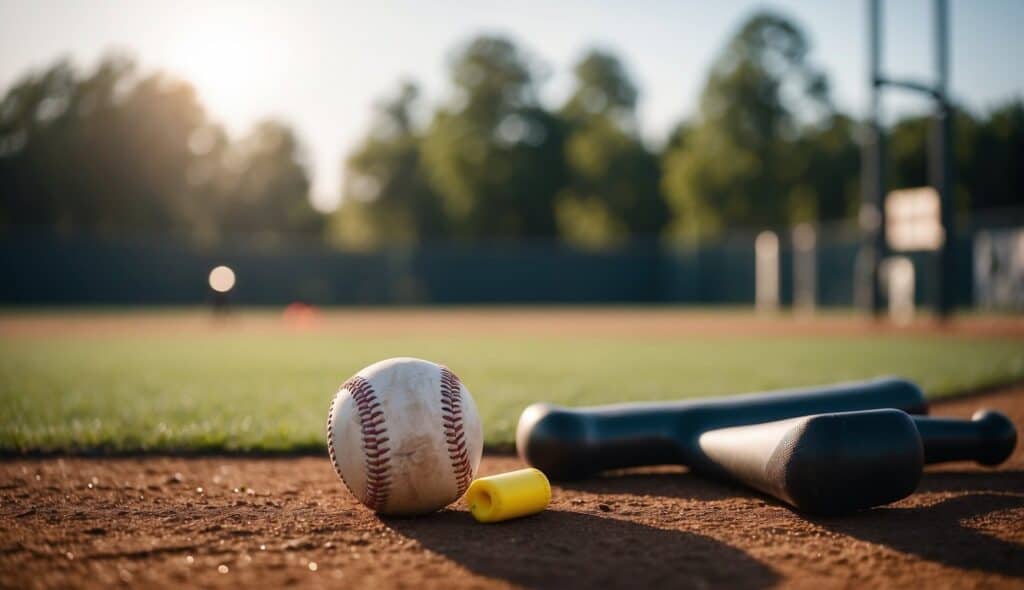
{"x":455,"y":436}
{"x":371,"y":423}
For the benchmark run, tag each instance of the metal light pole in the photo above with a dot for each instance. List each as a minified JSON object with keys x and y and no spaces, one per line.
{"x":941,"y":163}
{"x":872,"y":217}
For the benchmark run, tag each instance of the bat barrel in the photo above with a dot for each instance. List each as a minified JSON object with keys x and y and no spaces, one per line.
{"x":823,"y":464}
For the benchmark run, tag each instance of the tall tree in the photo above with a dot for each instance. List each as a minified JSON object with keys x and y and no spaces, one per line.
{"x":603,"y":88}
{"x":613,"y":186}
{"x":827,"y":187}
{"x":737,"y":165}
{"x":267,"y":184}
{"x":493,"y":154}
{"x":105,"y":153}
{"x":386,"y":197}
{"x":995,"y":175}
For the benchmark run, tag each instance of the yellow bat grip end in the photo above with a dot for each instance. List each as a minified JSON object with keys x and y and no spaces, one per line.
{"x":508,"y":495}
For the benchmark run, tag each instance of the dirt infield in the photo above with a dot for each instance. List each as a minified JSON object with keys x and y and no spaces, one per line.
{"x":224,"y":522}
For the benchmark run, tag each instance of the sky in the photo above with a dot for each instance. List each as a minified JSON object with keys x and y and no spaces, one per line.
{"x":322,"y":65}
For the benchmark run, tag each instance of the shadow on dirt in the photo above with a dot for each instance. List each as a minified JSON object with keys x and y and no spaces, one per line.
{"x":557,"y":549}
{"x":973,"y":481}
{"x":677,"y":482}
{"x":938,"y":532}
{"x":941,"y":532}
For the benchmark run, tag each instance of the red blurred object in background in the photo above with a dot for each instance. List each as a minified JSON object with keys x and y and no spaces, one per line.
{"x":300,"y":316}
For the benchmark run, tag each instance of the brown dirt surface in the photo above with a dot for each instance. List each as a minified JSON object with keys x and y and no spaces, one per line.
{"x":251,"y":522}
{"x":595,"y":321}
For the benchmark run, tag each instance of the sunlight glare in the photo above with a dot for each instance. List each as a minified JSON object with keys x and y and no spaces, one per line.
{"x":230,"y":56}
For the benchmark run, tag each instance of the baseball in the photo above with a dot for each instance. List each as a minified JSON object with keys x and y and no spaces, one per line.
{"x":404,"y":436}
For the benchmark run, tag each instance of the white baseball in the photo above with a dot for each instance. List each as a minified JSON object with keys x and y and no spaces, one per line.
{"x":404,"y":436}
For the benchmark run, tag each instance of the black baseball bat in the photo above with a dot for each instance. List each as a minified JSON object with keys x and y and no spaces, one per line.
{"x":839,"y":463}
{"x":575,"y":443}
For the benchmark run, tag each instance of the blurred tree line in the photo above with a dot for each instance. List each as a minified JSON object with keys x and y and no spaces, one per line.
{"x":767,"y":148}
{"x":114,"y":150}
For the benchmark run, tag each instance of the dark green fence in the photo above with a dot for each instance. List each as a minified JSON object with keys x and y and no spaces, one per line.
{"x":41,"y":268}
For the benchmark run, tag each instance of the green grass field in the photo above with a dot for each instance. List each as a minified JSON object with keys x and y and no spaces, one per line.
{"x":240,"y":391}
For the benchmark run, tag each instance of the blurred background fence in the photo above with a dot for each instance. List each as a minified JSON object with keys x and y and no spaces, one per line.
{"x":42,"y":267}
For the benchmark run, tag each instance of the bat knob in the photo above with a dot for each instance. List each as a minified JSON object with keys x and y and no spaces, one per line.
{"x":553,"y":439}
{"x":1000,"y":436}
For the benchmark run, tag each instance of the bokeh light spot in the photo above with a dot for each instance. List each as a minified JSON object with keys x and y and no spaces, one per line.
{"x":222,"y":279}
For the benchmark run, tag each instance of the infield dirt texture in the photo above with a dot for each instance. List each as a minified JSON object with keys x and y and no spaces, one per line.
{"x":219,"y":521}
{"x":235,"y":522}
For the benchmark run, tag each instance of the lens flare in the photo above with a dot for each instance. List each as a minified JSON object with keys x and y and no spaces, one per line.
{"x":222,"y":279}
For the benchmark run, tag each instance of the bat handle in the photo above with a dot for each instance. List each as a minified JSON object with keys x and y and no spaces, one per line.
{"x":989,"y":438}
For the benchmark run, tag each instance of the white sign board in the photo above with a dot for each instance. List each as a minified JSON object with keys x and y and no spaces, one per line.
{"x":912,"y":220}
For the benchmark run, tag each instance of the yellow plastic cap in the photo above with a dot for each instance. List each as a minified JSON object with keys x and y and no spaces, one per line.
{"x":508,"y":495}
